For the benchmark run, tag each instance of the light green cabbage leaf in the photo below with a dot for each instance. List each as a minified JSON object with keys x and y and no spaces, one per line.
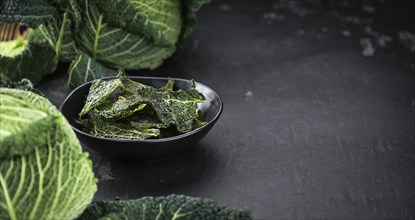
{"x":12,"y":48}
{"x":43,"y":172}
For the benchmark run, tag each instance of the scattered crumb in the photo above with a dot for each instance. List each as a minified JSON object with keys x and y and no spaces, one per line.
{"x":384,"y":40}
{"x":369,"y":8}
{"x":249,"y":95}
{"x":324,"y":29}
{"x":225,"y":7}
{"x":368,"y":49}
{"x":346,"y":33}
{"x":408,"y":40}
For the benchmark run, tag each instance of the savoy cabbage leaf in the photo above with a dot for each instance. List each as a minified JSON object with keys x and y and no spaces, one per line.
{"x":59,"y":35}
{"x":190,"y":7}
{"x":43,"y":172}
{"x":31,"y":13}
{"x":97,"y":35}
{"x":13,"y":47}
{"x":35,"y":60}
{"x":24,"y":84}
{"x":172,"y":207}
{"x":114,"y":46}
{"x":83,"y":69}
{"x":158,"y":21}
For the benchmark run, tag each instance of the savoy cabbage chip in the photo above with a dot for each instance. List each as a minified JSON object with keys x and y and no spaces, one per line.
{"x":125,"y":109}
{"x":99,"y":36}
{"x":43,"y":172}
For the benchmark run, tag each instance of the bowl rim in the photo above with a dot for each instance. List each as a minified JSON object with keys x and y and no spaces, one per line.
{"x":145,"y":140}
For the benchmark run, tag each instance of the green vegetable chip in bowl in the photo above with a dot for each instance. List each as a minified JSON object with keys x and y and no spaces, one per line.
{"x":138,"y":118}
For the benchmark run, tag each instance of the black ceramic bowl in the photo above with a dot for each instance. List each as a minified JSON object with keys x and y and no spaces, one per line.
{"x":144,"y":149}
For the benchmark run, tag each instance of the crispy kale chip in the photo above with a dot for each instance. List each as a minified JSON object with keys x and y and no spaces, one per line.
{"x":169,"y":207}
{"x":99,"y":92}
{"x":177,"y":108}
{"x":125,"y":109}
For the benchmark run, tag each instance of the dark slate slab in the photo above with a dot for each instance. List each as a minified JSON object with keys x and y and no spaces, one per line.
{"x":314,"y":126}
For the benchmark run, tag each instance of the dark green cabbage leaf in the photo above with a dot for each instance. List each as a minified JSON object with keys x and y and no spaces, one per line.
{"x":31,"y":13}
{"x":84,"y":69}
{"x":59,"y":35}
{"x":163,"y":208}
{"x":24,"y":84}
{"x":35,"y":60}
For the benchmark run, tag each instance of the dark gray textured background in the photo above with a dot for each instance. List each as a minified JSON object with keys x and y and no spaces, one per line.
{"x":311,"y":127}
